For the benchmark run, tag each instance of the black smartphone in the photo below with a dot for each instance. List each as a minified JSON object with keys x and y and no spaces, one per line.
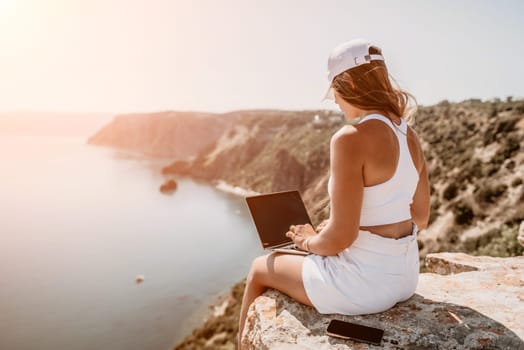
{"x":353,"y":331}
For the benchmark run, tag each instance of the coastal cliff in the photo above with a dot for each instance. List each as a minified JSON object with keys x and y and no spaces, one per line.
{"x":267,"y":151}
{"x":175,"y":135}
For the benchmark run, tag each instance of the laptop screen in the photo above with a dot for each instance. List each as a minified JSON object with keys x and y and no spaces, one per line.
{"x":273,"y":213}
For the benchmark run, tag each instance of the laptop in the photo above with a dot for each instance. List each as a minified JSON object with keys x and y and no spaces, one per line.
{"x":273,"y":214}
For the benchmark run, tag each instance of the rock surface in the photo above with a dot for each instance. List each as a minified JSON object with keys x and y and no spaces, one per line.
{"x":469,"y":303}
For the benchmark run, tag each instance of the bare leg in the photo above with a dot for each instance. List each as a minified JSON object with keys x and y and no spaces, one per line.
{"x":282,"y":272}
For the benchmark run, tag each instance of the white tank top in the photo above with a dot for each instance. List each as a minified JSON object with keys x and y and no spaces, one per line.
{"x":389,"y":202}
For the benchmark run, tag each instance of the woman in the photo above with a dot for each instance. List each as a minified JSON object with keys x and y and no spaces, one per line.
{"x":365,"y":258}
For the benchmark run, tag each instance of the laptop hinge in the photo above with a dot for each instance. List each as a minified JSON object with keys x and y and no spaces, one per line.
{"x":282,"y":245}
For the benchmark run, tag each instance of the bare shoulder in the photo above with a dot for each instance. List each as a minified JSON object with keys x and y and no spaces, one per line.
{"x":349,"y":140}
{"x":346,"y":135}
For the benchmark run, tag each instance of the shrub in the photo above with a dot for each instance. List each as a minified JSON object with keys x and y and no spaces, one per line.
{"x":433,"y":209}
{"x":489,"y":194}
{"x":475,"y":169}
{"x":450,"y":191}
{"x":463,"y":214}
{"x":503,"y":245}
{"x":471,"y":170}
{"x":506,"y":125}
{"x":510,"y":165}
{"x":511,"y":146}
{"x":492,"y":168}
{"x":516,"y":182}
{"x":433,"y":215}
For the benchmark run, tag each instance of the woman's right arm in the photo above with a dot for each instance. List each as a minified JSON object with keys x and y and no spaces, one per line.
{"x":346,"y":164}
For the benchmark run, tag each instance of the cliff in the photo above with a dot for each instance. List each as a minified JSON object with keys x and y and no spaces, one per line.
{"x":266,"y":151}
{"x":464,"y":302}
{"x":176,"y":135}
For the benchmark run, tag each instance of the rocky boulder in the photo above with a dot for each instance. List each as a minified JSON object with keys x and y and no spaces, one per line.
{"x":464,"y":302}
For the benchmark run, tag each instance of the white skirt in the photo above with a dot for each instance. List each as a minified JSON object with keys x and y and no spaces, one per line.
{"x":370,"y":276}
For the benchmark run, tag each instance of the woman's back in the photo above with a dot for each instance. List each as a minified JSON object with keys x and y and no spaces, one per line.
{"x":382,"y":150}
{"x":393,"y":161}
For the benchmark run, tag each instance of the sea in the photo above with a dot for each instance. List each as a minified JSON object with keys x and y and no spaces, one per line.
{"x":80,"y":223}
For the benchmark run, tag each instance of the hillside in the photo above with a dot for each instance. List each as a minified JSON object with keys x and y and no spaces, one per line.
{"x":475,"y":153}
{"x":271,"y":151}
{"x":176,"y":135}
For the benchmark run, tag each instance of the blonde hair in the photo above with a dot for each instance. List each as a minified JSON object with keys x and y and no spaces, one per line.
{"x":369,"y":87}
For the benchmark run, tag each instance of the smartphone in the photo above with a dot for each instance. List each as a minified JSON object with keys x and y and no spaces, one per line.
{"x":353,"y":331}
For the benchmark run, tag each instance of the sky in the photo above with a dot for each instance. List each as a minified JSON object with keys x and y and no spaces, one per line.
{"x":125,"y":56}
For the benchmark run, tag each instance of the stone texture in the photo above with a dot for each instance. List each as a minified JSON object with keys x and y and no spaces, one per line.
{"x":452,"y":263}
{"x":482,"y":308}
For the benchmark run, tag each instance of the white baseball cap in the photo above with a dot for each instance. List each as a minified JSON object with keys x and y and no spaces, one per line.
{"x":347,"y":55}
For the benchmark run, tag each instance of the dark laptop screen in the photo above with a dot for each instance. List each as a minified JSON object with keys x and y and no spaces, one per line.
{"x":273,"y":213}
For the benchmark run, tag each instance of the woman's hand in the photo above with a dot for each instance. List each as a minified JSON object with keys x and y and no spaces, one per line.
{"x":300,"y":233}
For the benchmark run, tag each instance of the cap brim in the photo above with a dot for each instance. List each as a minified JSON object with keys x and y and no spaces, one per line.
{"x":330,"y":95}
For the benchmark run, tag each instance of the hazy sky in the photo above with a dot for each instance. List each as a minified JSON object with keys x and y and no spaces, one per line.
{"x":122,"y":56}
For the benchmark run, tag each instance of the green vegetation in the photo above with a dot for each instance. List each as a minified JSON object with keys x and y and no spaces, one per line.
{"x":502,"y":243}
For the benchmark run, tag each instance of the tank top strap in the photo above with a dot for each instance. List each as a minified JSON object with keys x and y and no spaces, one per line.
{"x":403,"y":127}
{"x":400,"y":132}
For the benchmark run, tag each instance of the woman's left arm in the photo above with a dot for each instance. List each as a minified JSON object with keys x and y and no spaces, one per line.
{"x":347,"y":162}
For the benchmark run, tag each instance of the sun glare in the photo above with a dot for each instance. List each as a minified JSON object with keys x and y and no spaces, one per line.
{"x":6,"y":4}
{"x":7,"y":8}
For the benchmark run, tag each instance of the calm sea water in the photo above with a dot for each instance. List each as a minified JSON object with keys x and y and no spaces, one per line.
{"x":79,"y":222}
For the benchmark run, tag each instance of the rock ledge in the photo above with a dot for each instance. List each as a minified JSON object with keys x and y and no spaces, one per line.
{"x":470,"y":303}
